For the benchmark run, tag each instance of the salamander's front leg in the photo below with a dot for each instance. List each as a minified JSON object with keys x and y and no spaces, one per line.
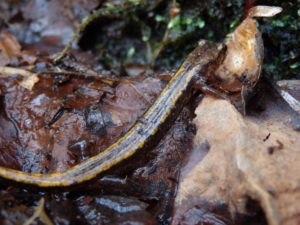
{"x":201,"y":84}
{"x":239,"y":100}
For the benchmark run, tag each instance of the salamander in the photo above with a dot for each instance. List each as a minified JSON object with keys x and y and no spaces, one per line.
{"x":198,"y":65}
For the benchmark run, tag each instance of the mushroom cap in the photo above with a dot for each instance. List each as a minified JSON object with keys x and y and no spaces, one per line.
{"x":245,"y":53}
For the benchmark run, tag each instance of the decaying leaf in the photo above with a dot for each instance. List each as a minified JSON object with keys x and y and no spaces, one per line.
{"x":29,"y":82}
{"x":290,"y":92}
{"x":29,"y":78}
{"x":10,"y":49}
{"x":11,"y":52}
{"x":245,"y":160}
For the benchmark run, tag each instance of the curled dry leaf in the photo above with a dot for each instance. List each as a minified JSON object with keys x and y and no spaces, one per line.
{"x":10,"y":49}
{"x":11,"y":52}
{"x":29,"y":78}
{"x":29,"y":82}
{"x":290,"y":92}
{"x":243,"y":161}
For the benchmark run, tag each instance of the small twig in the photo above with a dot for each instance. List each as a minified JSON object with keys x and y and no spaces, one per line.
{"x":165,"y":40}
{"x":105,"y":80}
{"x":85,"y":21}
{"x":160,"y":47}
{"x":107,"y":11}
{"x":39,"y":212}
{"x":69,"y":73}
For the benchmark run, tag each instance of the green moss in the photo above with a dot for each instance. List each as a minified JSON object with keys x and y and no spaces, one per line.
{"x":281,"y":36}
{"x":146,"y":26}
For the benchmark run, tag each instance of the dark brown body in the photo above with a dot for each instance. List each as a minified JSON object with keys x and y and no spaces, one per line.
{"x":200,"y":63}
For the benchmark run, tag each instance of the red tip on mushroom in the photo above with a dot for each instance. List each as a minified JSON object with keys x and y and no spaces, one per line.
{"x":248,"y":5}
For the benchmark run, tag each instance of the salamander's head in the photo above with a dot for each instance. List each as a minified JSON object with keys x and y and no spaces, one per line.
{"x":205,"y":54}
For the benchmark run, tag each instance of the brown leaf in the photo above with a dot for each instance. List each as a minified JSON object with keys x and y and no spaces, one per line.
{"x":10,"y":49}
{"x":245,"y":160}
{"x":58,"y":126}
{"x":54,"y":20}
